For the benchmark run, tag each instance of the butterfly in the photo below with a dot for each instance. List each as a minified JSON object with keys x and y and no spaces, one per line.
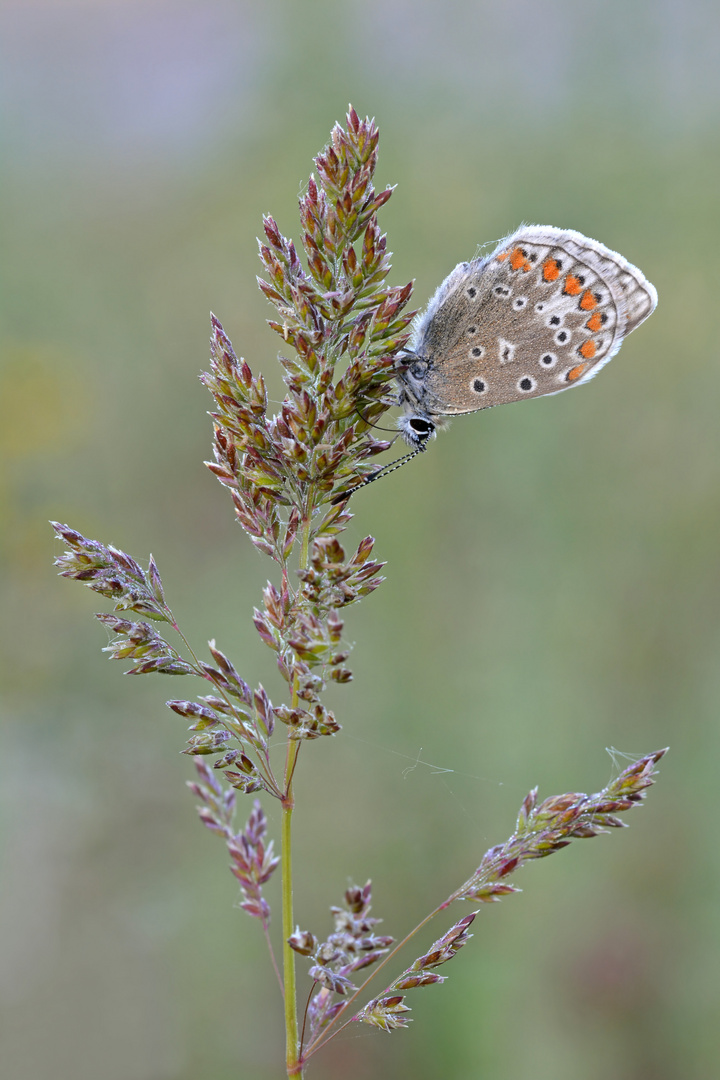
{"x":544,"y":312}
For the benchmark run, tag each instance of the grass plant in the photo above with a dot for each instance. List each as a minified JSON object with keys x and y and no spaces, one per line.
{"x":291,"y":476}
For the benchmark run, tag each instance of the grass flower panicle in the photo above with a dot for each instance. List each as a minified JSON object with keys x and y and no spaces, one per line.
{"x":290,"y":476}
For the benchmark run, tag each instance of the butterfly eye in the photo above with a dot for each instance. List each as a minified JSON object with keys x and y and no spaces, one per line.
{"x":417,"y":430}
{"x":421,"y":429}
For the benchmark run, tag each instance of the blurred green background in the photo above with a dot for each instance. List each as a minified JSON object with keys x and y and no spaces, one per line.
{"x":553,"y":568}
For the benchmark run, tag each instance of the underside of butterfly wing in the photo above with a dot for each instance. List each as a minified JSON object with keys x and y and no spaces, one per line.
{"x":543,"y":313}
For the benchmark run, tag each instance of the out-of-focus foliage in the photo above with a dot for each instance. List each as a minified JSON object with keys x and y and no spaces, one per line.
{"x":553,"y":567}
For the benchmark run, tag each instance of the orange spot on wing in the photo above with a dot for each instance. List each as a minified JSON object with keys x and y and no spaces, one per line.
{"x":588,"y":349}
{"x":587,"y":301}
{"x":518,"y":260}
{"x":575,"y":373}
{"x":551,"y":270}
{"x":594,"y":323}
{"x":572,"y":285}
{"x":503,"y":257}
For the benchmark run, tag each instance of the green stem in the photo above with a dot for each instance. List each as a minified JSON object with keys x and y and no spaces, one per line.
{"x":292,"y":1043}
{"x":294,"y":1068}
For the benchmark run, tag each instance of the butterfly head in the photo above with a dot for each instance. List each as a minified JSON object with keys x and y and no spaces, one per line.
{"x":416,"y":426}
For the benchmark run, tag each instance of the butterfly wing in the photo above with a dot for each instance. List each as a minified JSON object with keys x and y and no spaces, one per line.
{"x":543,"y":313}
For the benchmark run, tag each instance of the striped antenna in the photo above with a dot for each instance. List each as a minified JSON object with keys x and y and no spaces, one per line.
{"x":384,"y":471}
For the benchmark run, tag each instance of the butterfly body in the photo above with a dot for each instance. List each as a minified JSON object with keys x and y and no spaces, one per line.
{"x":544,"y":312}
